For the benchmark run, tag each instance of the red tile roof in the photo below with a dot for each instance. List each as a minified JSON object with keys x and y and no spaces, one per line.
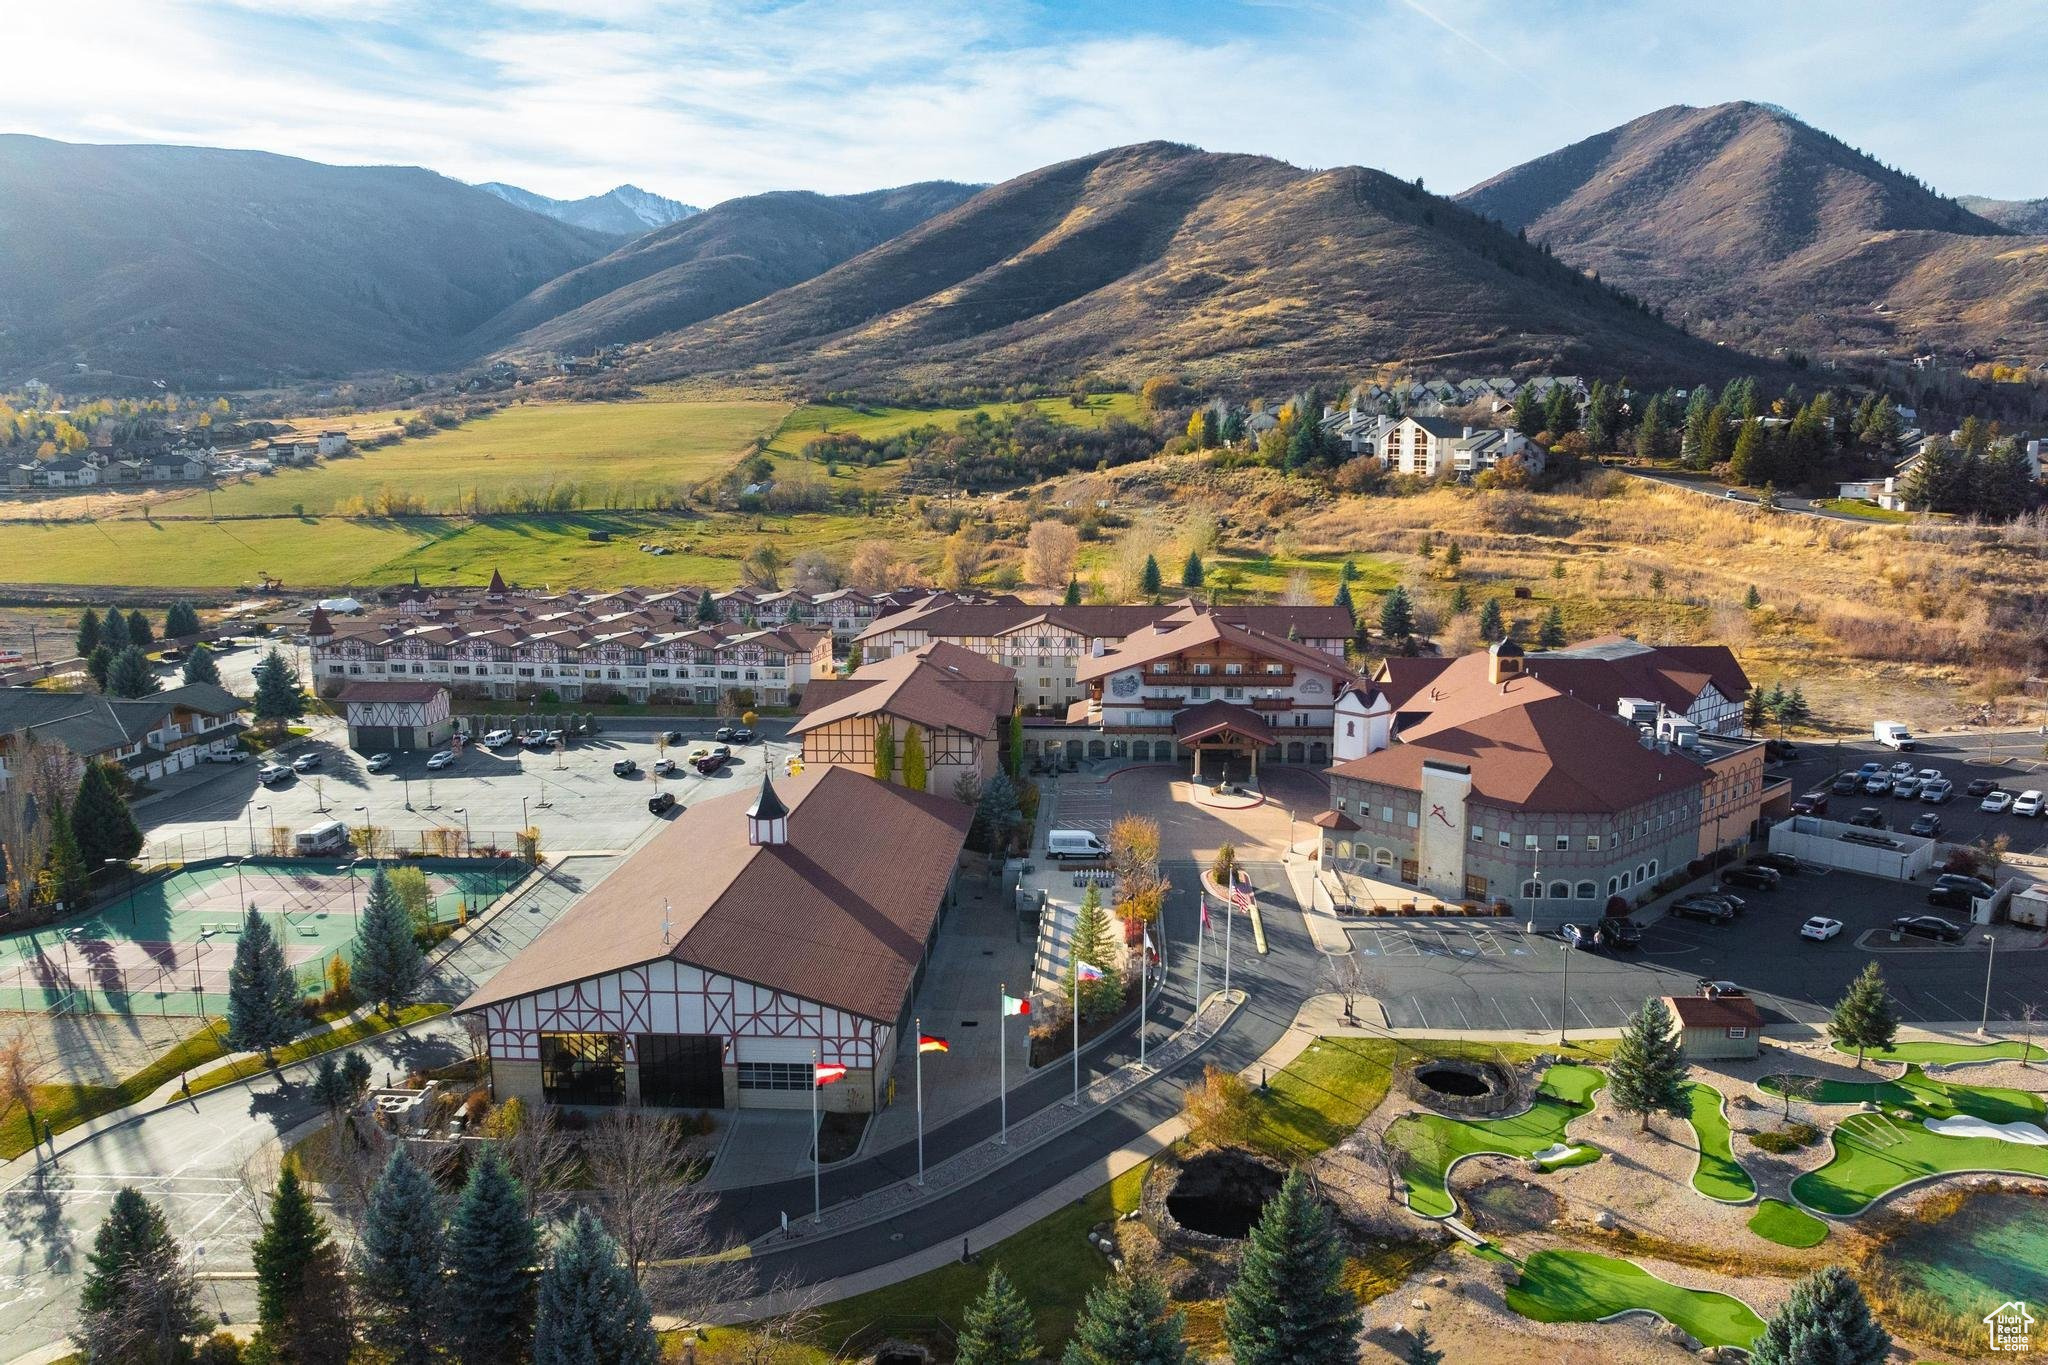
{"x":1715,"y":1011}
{"x":392,"y":691}
{"x":1207,"y":718}
{"x":940,"y":685}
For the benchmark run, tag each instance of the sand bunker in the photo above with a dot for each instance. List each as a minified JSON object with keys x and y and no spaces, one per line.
{"x":1963,"y":1125}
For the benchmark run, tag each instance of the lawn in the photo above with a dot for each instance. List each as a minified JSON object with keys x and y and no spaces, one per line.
{"x":1434,"y":1144}
{"x":1719,"y":1175}
{"x":1949,"y":1053}
{"x":1579,"y":1286}
{"x":1777,"y":1221}
{"x":813,"y":420}
{"x":347,"y":1036}
{"x":1865,"y":511}
{"x":621,"y":448}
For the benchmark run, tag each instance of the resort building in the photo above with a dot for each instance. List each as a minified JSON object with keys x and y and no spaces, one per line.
{"x":959,"y":702}
{"x":145,"y":737}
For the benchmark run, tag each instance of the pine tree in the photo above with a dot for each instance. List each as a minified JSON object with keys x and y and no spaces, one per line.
{"x":1461,"y":600}
{"x":62,"y":879}
{"x":1349,"y":573}
{"x":1343,"y":599}
{"x":101,"y":822}
{"x":1652,"y":435}
{"x":278,"y":698}
{"x":263,"y":996}
{"x":1750,"y":461}
{"x":915,"y":774}
{"x":590,"y":1310}
{"x":707,"y":608}
{"x":398,"y":1263}
{"x":180,"y":620}
{"x":1752,"y":599}
{"x":1073,"y":597}
{"x":1421,"y":1349}
{"x":1647,"y":1075}
{"x":1288,"y":1305}
{"x":139,"y":1301}
{"x":1603,"y":412}
{"x":114,"y":631}
{"x":1863,"y":1017}
{"x":131,"y":676}
{"x":88,"y":633}
{"x":491,"y":1249}
{"x":998,"y":1328}
{"x":1551,"y":634}
{"x":139,"y":633}
{"x":1561,"y":411}
{"x":1454,"y":555}
{"x":293,"y":1238}
{"x":1149,"y":581}
{"x":1492,"y":626}
{"x":99,"y":666}
{"x":1191,"y":572}
{"x":1528,"y":411}
{"x":1397,"y":614}
{"x":200,"y":667}
{"x":885,"y":749}
{"x":1092,"y":943}
{"x":1125,"y":1321}
{"x":1825,"y":1321}
{"x":386,"y":966}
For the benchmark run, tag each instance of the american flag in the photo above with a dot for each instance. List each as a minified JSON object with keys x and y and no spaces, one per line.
{"x":1241,"y":893}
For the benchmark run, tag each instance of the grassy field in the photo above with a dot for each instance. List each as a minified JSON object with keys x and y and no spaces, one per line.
{"x":1720,"y":1176}
{"x":1866,"y":511}
{"x":809,"y":422}
{"x":1949,"y":1053}
{"x":1433,"y":1144}
{"x":1777,"y":1221}
{"x":1580,"y":1286}
{"x":648,"y":445}
{"x":346,"y":1036}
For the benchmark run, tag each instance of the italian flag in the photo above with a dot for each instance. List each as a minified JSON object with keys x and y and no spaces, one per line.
{"x":1012,"y":1006}
{"x":825,"y":1075}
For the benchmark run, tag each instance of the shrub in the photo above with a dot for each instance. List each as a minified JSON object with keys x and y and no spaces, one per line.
{"x":1789,"y":1138}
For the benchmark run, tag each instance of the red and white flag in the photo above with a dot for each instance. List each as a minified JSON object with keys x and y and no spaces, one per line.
{"x":1241,"y":894}
{"x":1151,"y":953}
{"x":822,"y":1074}
{"x":1088,"y":971}
{"x":1013,"y":1005}
{"x":1205,"y":913}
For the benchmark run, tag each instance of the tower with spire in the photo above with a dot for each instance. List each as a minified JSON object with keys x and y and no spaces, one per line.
{"x":767,"y":818}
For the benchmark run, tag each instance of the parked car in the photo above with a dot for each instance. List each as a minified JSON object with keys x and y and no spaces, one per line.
{"x":743,"y":735}
{"x":2028,"y":804}
{"x":270,"y":774}
{"x":1877,"y":784}
{"x":377,"y":763}
{"x":1901,"y":769}
{"x":1759,"y":878}
{"x":664,"y":767}
{"x":306,"y":762}
{"x":1980,"y":786}
{"x":226,"y":756}
{"x":712,"y":762}
{"x":1810,"y":803}
{"x":1699,"y":907}
{"x":660,"y":802}
{"x":1846,"y":784}
{"x":1870,"y":769}
{"x":1976,"y":886}
{"x":1784,"y":864}
{"x":722,"y":732}
{"x":671,"y":736}
{"x":441,"y":759}
{"x":1870,"y":817}
{"x":625,"y":767}
{"x":498,"y":739}
{"x":1734,"y":902}
{"x":1620,"y":932}
{"x":1707,"y":985}
{"x":1820,"y":928}
{"x":1579,"y":935}
{"x":1937,"y":792}
{"x":1996,"y":802}
{"x":1906,"y":788}
{"x":1783,"y":750}
{"x":1926,"y":824}
{"x":1927,"y":775}
{"x":1929,"y":926}
{"x":1949,"y":898}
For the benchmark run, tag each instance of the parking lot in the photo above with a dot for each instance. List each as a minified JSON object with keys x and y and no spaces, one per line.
{"x":569,"y":792}
{"x":1489,"y":974}
{"x":2013,"y":760}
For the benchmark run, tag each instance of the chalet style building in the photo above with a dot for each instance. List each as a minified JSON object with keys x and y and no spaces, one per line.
{"x":746,"y":941}
{"x":959,"y":702}
{"x":145,"y":737}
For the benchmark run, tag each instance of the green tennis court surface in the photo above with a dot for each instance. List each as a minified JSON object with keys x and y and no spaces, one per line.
{"x":165,"y":947}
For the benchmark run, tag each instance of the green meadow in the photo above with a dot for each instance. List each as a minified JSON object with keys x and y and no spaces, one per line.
{"x":809,"y":422}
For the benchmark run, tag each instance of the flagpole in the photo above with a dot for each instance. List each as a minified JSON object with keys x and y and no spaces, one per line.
{"x":817,"y":1196}
{"x":1144,"y":986}
{"x":1003,"y":1061}
{"x":1229,"y":916}
{"x":1201,"y":940}
{"x":917,"y":1027}
{"x":1074,"y":960}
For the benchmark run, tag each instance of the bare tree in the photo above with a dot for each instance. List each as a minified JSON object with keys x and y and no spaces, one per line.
{"x":966,"y":552}
{"x":539,"y":1153}
{"x":873,"y":566}
{"x":789,"y":1339}
{"x":20,"y":1068}
{"x":663,"y":1225}
{"x":1051,"y":549}
{"x":1792,"y":1088}
{"x":814,"y":571}
{"x":40,"y":777}
{"x":2030,"y":1013}
{"x":1343,"y":975}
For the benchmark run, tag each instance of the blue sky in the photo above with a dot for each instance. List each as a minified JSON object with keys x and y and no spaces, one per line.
{"x":704,"y":100}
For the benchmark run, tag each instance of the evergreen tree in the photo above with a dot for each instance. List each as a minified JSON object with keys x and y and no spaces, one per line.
{"x":114,"y":631}
{"x":998,"y":1328}
{"x":1647,"y":1075}
{"x":1016,"y":754}
{"x":291,"y":1322}
{"x":1073,"y":597}
{"x":1397,"y":614}
{"x":398,"y":1263}
{"x":1752,"y":599}
{"x":1825,"y":1321}
{"x":1149,"y":581}
{"x":1528,"y":411}
{"x":139,"y":633}
{"x":200,"y":667}
{"x":707,"y":608}
{"x":1863,"y":1017}
{"x":1349,"y":573}
{"x":1795,"y":710}
{"x":1421,"y":1349}
{"x":915,"y":774}
{"x":263,"y":996}
{"x":62,"y":879}
{"x":1454,"y":555}
{"x":590,"y":1309}
{"x":1551,"y":634}
{"x":1092,"y":944}
{"x":885,"y":749}
{"x":99,"y":666}
{"x":1750,"y":462}
{"x":1461,"y":600}
{"x":1880,"y":432}
{"x":1492,"y":626}
{"x":1653,"y":438}
{"x":1191,"y":572}
{"x":998,"y":812}
{"x":1126,"y":1321}
{"x":386,"y":967}
{"x":101,"y":822}
{"x":491,"y":1250}
{"x":180,"y":620}
{"x":1603,"y":415}
{"x":1755,"y":710}
{"x":278,"y":698}
{"x":1288,"y":1305}
{"x":1561,"y":411}
{"x":1343,"y":599}
{"x":139,"y":1301}
{"x":88,"y":633}
{"x":1715,"y":448}
{"x":131,"y":676}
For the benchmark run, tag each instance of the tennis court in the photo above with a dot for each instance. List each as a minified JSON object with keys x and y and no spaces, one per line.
{"x":165,"y":946}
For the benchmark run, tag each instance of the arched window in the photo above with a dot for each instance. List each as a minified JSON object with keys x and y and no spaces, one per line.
{"x":1653,"y":867}
{"x":1350,"y":729}
{"x":1613,"y":885}
{"x":1639,"y":873}
{"x":1343,"y":848}
{"x":1383,"y":857}
{"x":1624,"y":881}
{"x":1560,"y":891}
{"x":1532,"y":891}
{"x":1587,"y":891}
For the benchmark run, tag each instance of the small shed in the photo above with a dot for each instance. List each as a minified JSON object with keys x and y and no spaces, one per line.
{"x":395,"y":716}
{"x":1716,"y":1026}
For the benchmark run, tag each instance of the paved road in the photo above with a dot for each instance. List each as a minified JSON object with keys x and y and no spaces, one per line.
{"x":2014,"y":759}
{"x":1711,"y":488}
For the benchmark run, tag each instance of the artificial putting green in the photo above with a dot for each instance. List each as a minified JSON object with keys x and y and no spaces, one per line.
{"x":1946,"y":1054}
{"x":1719,"y":1175}
{"x":1877,"y":1153}
{"x":1777,"y":1221}
{"x":1432,"y":1144}
{"x":1579,"y":1286}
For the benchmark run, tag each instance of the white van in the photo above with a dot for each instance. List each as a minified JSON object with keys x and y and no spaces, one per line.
{"x":498,"y":739}
{"x":1893,"y":735}
{"x":329,"y":836}
{"x":1073,"y":843}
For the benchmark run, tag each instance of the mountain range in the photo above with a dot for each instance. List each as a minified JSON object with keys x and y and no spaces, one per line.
{"x":626,"y":211}
{"x":1752,"y":230}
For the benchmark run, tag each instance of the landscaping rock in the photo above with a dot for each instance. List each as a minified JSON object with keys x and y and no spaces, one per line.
{"x":1605,"y":1220}
{"x":1439,"y":1281}
{"x":1420,"y":1305}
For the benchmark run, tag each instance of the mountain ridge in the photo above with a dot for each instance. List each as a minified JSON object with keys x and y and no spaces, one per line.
{"x":623,"y":210}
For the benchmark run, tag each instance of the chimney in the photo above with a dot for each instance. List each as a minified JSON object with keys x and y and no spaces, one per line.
{"x":1468,"y":433}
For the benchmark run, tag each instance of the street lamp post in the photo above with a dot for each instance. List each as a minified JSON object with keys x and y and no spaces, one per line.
{"x":406,"y":782}
{"x":1991,"y":956}
{"x":468,"y":844}
{"x":525,"y":823}
{"x":1565,"y":1002}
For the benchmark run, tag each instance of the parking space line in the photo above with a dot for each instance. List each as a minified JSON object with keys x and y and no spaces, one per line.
{"x":1583,"y":1015}
{"x":1463,"y":1022}
{"x":1539,"y":1010}
{"x":1502,"y":1011}
{"x":1419,"y":1013}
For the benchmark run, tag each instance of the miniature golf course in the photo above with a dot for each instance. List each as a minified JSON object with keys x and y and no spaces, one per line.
{"x":1876,"y":1153}
{"x":1948,"y":1054}
{"x":1432,"y":1143}
{"x":1579,"y":1286}
{"x":1777,"y":1221}
{"x":1719,"y":1175}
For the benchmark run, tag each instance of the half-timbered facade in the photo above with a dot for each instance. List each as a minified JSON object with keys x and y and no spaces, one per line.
{"x":742,"y":944}
{"x":385,"y":716}
{"x":959,"y":702}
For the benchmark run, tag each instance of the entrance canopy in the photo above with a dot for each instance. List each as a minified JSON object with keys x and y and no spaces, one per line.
{"x":1223,"y":724}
